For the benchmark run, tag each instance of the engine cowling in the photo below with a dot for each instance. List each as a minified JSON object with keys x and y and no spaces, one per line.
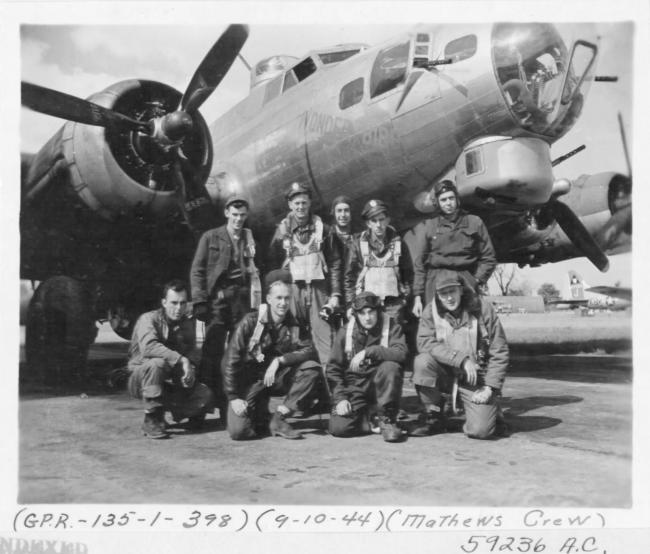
{"x":119,"y":171}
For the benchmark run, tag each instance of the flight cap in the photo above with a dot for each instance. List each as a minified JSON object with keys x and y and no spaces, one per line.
{"x":271,"y":277}
{"x":342,"y":199}
{"x":297,"y":188}
{"x":373,"y":208}
{"x":237,"y":198}
{"x":445,"y":186}
{"x":447,"y":278}
{"x":366,"y":299}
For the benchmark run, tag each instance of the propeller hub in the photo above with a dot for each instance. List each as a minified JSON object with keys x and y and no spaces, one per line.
{"x":177,"y":125}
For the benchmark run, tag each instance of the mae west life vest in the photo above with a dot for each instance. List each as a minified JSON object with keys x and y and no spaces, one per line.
{"x":350,"y":330}
{"x":380,"y":274}
{"x":254,"y":347}
{"x":305,"y":262}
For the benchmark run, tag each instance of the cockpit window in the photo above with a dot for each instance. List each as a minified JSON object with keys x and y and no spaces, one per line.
{"x":351,"y":94}
{"x":304,"y":69}
{"x":461,"y":48}
{"x":336,"y":57}
{"x":389,"y":69}
{"x":534,"y":67}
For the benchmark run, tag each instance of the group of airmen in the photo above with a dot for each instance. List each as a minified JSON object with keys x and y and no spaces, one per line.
{"x":325,"y":326}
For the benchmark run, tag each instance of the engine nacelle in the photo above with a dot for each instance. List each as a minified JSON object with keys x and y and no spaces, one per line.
{"x":116,"y":171}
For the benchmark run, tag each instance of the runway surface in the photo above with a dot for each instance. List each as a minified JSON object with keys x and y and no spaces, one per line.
{"x":570,"y":445}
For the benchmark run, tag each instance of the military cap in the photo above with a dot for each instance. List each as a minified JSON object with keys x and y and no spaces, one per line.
{"x":297,"y":188}
{"x":340,"y":200}
{"x":236,"y":198}
{"x":444,"y":186}
{"x":447,"y":278}
{"x":373,"y":208}
{"x":271,"y":277}
{"x":366,"y":299}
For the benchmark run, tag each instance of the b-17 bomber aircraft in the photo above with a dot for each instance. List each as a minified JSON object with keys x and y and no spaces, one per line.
{"x":113,"y":203}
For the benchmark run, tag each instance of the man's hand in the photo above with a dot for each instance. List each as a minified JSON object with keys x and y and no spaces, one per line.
{"x":343,"y":408}
{"x":269,"y":376}
{"x":333,"y":302}
{"x":482,"y":395}
{"x":187,"y":380}
{"x":239,"y":406}
{"x":417,"y":307}
{"x":471,"y":371}
{"x":355,"y":362}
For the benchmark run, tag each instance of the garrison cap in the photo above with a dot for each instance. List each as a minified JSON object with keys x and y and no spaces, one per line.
{"x":447,"y":278}
{"x":297,"y":188}
{"x":237,"y":198}
{"x":444,"y":186}
{"x":366,"y":299}
{"x":277,"y":275}
{"x":373,"y":208}
{"x":340,"y":200}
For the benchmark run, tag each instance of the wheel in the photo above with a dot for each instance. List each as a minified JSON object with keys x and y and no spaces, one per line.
{"x":60,"y":328}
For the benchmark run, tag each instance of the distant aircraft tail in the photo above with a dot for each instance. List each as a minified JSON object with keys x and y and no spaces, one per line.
{"x":576,"y":286}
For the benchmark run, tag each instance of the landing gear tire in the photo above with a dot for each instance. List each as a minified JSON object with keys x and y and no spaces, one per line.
{"x":59,"y":330}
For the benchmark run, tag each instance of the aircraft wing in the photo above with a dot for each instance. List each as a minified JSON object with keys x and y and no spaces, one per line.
{"x":623,"y":293}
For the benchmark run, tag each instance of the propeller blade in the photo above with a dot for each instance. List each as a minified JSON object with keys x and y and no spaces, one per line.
{"x":624,"y":141}
{"x":214,"y":67}
{"x":58,"y":104}
{"x":578,"y":234}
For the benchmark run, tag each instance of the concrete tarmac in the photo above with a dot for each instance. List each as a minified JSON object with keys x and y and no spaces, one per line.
{"x":570,"y":444}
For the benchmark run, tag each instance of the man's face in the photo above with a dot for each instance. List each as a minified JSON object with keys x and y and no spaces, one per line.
{"x":448,"y":202}
{"x":450,"y":297}
{"x":342,"y":215}
{"x":175,"y":304}
{"x":236,"y":217}
{"x":367,"y":318}
{"x":278,"y":300}
{"x":378,"y":225}
{"x":299,"y":205}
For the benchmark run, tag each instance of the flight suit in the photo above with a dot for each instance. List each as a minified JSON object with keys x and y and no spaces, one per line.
{"x":247,"y":358}
{"x":444,"y":342}
{"x":460,"y":243}
{"x":155,"y":351}
{"x":220,"y":278}
{"x":378,"y":383}
{"x":315,"y":266}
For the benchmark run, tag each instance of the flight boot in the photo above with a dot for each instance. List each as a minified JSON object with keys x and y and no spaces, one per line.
{"x":279,"y":427}
{"x":154,"y":425}
{"x":388,"y":428}
{"x":430,"y":424}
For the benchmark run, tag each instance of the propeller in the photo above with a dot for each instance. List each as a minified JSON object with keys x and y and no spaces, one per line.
{"x":52,"y":102}
{"x":578,"y":234}
{"x":167,"y":129}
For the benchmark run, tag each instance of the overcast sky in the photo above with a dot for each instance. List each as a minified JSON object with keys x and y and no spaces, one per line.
{"x":83,"y":59}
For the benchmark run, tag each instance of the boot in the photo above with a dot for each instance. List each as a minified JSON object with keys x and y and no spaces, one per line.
{"x":430,"y":424}
{"x":278,"y":427}
{"x":390,"y":432}
{"x":154,"y":425}
{"x":195,"y":423}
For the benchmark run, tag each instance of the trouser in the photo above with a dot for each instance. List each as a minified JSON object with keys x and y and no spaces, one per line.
{"x":158,"y":384}
{"x":432,"y":378}
{"x":430,"y":285}
{"x":226,"y":309}
{"x":299,"y":383}
{"x":306,"y":305}
{"x":381,"y":386}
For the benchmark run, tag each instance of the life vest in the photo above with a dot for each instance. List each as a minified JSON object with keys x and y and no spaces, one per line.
{"x":305,"y":262}
{"x":251,"y":269}
{"x":350,"y":330}
{"x":380,"y":274}
{"x":254,"y":346}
